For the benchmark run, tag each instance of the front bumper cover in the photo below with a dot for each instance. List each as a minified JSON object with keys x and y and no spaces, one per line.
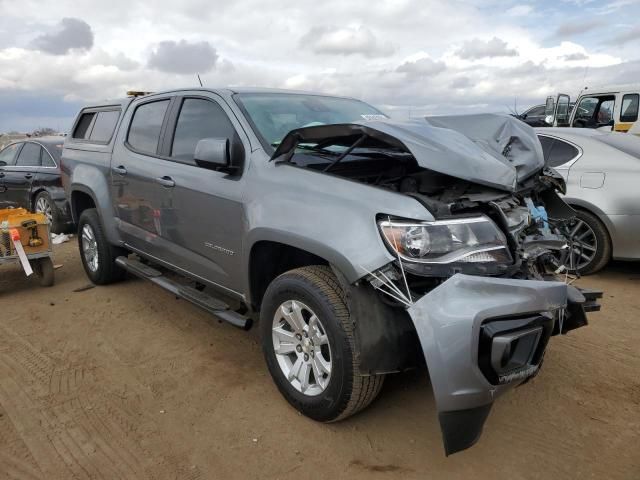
{"x":451,"y":322}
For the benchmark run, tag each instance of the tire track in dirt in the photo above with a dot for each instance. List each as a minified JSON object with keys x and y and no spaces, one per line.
{"x":12,"y":467}
{"x":66,"y":430}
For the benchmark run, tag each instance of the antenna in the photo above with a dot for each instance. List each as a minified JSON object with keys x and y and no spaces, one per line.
{"x":584,"y":81}
{"x":199,"y":80}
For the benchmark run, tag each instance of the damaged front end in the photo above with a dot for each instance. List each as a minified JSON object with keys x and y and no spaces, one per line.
{"x":486,"y":283}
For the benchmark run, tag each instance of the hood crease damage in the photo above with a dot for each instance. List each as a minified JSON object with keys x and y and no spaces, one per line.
{"x":493,"y":150}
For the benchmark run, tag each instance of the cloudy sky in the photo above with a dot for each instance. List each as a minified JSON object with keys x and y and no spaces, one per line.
{"x":408,"y":57}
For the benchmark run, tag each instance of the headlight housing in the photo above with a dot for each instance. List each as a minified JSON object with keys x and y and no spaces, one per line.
{"x":457,"y":240}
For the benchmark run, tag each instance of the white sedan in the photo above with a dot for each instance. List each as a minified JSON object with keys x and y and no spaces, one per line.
{"x":602,"y":171}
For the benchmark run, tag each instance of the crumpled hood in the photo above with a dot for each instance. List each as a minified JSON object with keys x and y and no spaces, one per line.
{"x":489,"y":149}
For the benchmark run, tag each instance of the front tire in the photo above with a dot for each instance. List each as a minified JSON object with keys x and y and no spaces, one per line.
{"x":309,"y":345}
{"x":97,"y":254}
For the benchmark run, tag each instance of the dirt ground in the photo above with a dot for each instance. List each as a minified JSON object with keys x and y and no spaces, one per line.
{"x":125,"y":381}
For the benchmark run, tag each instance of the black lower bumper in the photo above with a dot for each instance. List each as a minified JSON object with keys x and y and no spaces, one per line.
{"x":462,"y":428}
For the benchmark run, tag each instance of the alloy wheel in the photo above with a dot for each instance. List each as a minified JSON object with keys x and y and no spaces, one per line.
{"x":302,"y":347}
{"x":43,"y":206}
{"x":90,"y":248}
{"x":584,"y":245}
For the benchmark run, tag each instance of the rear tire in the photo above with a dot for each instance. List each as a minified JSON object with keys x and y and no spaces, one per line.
{"x":97,"y":254}
{"x":314,"y":291}
{"x":43,"y":203}
{"x":591,"y":239}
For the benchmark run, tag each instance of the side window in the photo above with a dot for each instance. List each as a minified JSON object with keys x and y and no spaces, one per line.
{"x":144,"y":131}
{"x":29,"y":155}
{"x":82,"y":128}
{"x":199,"y":119}
{"x":557,"y":152}
{"x":605,"y":113}
{"x":547,"y":145}
{"x":8,"y":155}
{"x":47,"y":161}
{"x":104,"y":126}
{"x":629,"y":112}
{"x":585,"y":109}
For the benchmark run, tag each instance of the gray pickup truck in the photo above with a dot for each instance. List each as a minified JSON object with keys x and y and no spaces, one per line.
{"x":364,"y":245}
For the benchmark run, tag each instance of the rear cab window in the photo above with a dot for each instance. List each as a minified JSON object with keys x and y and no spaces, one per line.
{"x":97,"y":126}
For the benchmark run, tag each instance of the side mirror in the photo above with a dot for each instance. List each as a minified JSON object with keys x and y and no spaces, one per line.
{"x":213,"y":153}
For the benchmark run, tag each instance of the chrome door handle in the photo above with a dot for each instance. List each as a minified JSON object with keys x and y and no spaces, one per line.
{"x":120,"y":170}
{"x":166,"y":181}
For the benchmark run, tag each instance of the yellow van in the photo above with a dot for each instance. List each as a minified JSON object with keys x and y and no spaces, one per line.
{"x":612,"y":108}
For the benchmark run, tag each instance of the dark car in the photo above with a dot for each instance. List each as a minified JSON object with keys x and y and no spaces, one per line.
{"x":30,"y":178}
{"x":534,"y":116}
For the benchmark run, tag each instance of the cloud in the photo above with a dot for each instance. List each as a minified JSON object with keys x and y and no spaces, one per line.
{"x":476,"y":49}
{"x":626,"y":37}
{"x":421,"y":68}
{"x":370,"y":53}
{"x":519,"y":11}
{"x":183,"y":57}
{"x":72,"y":33}
{"x":461,"y":82}
{"x":570,"y":29}
{"x":333,"y":40}
{"x":572,"y":57}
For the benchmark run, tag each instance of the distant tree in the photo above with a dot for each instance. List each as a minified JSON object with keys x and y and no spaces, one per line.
{"x":43,"y":132}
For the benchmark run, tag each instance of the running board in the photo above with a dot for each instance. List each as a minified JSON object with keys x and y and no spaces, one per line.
{"x":201,"y":299}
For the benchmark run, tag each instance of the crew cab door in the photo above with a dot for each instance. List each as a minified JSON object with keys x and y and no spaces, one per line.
{"x":19,"y":177}
{"x":135,"y":167}
{"x":206,"y":224}
{"x":188,"y":217}
{"x":7,"y":160}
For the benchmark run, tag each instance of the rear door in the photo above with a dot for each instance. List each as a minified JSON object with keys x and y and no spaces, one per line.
{"x":136,"y":166}
{"x":7,"y":160}
{"x":19,"y":178}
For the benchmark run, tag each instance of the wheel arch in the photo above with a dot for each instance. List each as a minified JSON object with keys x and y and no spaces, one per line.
{"x":81,"y":199}
{"x":34,"y":194}
{"x":386,"y":338}
{"x":268,"y":259}
{"x":588,"y":207}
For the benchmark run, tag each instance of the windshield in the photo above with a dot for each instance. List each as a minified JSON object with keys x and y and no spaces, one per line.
{"x":273,"y":115}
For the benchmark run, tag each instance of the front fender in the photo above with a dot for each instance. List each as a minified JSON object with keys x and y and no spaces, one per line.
{"x":448,"y":321}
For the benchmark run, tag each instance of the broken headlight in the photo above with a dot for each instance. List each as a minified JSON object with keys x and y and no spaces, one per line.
{"x":463,"y":240}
